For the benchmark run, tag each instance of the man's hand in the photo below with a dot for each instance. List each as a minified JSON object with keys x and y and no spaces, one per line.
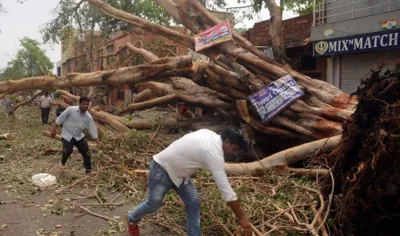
{"x":53,"y":132}
{"x":246,"y":226}
{"x":242,"y":219}
{"x":97,"y":141}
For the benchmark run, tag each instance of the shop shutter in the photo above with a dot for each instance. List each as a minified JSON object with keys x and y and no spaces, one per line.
{"x":357,"y":66}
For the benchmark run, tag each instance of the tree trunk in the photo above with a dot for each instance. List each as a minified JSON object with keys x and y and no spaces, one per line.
{"x":276,"y":31}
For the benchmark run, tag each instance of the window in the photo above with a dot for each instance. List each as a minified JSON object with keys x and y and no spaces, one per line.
{"x":120,"y":94}
{"x":100,"y":59}
{"x":69,"y":65}
{"x":110,"y":49}
{"x":81,"y":64}
{"x":123,"y":54}
{"x":110,"y":60}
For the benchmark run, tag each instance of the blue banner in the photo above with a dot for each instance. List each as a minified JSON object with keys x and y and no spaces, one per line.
{"x":378,"y":41}
{"x":272,"y":99}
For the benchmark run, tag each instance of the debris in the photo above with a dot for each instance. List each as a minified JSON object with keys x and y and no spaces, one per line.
{"x":367,"y":161}
{"x":44,"y":180}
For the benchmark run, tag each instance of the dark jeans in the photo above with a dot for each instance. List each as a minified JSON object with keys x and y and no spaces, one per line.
{"x":45,"y":115}
{"x":83,"y":148}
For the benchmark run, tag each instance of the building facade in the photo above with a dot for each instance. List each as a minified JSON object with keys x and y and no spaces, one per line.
{"x":111,"y":53}
{"x":355,"y":36}
{"x":298,"y":47}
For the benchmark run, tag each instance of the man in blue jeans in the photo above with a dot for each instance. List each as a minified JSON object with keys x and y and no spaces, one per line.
{"x":172,"y":168}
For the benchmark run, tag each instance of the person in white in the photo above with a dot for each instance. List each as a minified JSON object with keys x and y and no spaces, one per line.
{"x":45,"y":102}
{"x":172,"y":168}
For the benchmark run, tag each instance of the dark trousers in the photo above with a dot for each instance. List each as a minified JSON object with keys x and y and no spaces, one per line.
{"x":45,"y":115}
{"x":83,"y":148}
{"x":59,"y":111}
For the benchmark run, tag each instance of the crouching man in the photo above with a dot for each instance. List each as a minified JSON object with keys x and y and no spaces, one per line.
{"x":172,"y":168}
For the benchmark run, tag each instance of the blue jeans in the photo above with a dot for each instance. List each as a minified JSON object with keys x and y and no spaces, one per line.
{"x":159,"y":185}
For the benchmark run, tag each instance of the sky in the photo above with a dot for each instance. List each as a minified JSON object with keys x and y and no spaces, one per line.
{"x":26,"y":20}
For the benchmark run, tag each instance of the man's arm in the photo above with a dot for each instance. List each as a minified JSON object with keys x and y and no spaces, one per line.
{"x":243,"y":221}
{"x":219,"y":175}
{"x":93,"y":131}
{"x":39,"y":101}
{"x":60,"y":120}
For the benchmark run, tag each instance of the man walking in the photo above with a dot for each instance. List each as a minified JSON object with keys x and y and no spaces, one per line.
{"x":172,"y":168}
{"x":45,"y":102}
{"x":75,"y":119}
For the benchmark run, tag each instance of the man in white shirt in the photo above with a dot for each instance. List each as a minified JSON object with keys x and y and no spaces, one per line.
{"x":172,"y":168}
{"x":75,"y":119}
{"x":45,"y":102}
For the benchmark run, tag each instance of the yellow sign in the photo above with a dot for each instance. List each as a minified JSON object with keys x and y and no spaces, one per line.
{"x":321,"y":47}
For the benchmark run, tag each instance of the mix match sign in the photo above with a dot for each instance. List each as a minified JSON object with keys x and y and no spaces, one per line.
{"x":213,"y":36}
{"x":275,"y":97}
{"x":359,"y":43}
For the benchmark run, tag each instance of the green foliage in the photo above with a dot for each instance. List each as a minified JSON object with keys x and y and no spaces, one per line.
{"x":29,"y":61}
{"x":300,"y":7}
{"x":68,"y":15}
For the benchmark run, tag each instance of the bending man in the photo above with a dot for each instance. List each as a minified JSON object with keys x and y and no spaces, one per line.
{"x":172,"y":168}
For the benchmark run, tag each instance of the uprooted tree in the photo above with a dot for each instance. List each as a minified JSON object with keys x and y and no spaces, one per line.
{"x":237,"y":69}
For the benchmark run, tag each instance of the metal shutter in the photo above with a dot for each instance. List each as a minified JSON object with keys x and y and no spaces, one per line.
{"x":357,"y":66}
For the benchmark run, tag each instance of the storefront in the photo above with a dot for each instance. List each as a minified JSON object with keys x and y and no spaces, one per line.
{"x":351,"y":58}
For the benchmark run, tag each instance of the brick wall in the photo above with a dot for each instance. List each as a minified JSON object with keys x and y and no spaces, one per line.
{"x":296,"y":31}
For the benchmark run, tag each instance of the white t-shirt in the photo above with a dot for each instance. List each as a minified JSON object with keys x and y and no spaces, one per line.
{"x":200,"y":149}
{"x":45,"y":101}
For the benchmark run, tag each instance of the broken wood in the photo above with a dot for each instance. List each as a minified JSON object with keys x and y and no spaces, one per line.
{"x":98,"y":215}
{"x":6,"y":136}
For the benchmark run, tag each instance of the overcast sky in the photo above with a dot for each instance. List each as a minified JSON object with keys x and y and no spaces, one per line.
{"x":25,"y":20}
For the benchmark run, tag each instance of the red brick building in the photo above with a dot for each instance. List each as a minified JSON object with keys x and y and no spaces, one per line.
{"x":110,"y":54}
{"x":296,"y":38}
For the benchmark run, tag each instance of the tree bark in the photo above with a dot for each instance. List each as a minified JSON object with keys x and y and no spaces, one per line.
{"x":165,"y":67}
{"x":276,"y":31}
{"x":143,"y":96}
{"x":283,"y":158}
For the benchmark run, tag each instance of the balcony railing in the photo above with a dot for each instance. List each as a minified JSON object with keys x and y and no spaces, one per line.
{"x":330,"y":11}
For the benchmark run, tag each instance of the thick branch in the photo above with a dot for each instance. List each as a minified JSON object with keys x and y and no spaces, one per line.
{"x":147,"y":104}
{"x":283,"y":158}
{"x":145,"y":24}
{"x":143,"y":96}
{"x":165,"y":67}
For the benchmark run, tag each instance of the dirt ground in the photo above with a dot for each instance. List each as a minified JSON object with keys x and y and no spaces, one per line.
{"x":115,"y":189}
{"x":28,"y":210}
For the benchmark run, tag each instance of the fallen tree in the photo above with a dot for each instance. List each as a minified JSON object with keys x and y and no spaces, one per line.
{"x":237,"y":70}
